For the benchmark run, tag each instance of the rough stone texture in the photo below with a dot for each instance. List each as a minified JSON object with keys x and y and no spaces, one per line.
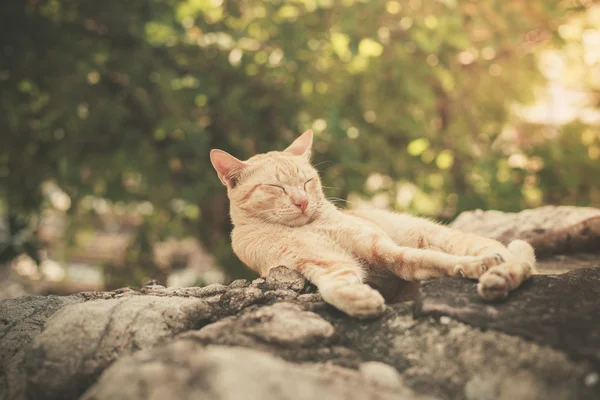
{"x":21,"y":320}
{"x":557,"y":264}
{"x":381,"y":374}
{"x":285,"y":278}
{"x":550,"y":229}
{"x":81,"y":340}
{"x":187,"y":370}
{"x":284,"y":321}
{"x":441,"y":356}
{"x":274,"y":338}
{"x":282,"y":324}
{"x":562,"y":311}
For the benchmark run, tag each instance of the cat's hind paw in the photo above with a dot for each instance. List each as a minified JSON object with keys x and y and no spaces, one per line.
{"x":358,"y":300}
{"x":475,"y":267}
{"x":494,"y":284}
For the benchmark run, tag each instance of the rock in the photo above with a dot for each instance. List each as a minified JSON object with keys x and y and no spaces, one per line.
{"x":236,"y":299}
{"x":449,"y":358}
{"x":158,"y":342}
{"x":562,"y":311}
{"x":258,"y":282}
{"x":310,"y":297}
{"x":558,"y":264}
{"x":549,"y":229}
{"x":239,"y":283}
{"x":440,"y":359}
{"x":381,"y":374}
{"x":497,"y":387}
{"x":186,"y":370}
{"x":285,"y":278}
{"x":591,"y":379}
{"x":280,"y":295}
{"x":201,"y":292}
{"x":21,"y":320}
{"x":282,"y":324}
{"x":81,"y":340}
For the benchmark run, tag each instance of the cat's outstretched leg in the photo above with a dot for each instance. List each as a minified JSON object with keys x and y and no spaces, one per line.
{"x":374,"y":247}
{"x":419,"y":264}
{"x":340,"y":282}
{"x":517,"y":260}
{"x":504,"y":269}
{"x":398,"y":242}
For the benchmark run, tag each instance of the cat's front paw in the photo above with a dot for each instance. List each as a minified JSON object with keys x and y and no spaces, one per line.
{"x":475,"y":267}
{"x":498,"y":281}
{"x":357,"y":299}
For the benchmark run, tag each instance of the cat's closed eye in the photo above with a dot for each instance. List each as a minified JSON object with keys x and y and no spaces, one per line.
{"x":275,"y":186}
{"x":306,"y":183}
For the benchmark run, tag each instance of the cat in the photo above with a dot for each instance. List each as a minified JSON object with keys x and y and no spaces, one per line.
{"x":281,"y":217}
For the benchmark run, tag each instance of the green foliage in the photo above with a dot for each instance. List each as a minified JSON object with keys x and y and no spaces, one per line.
{"x":124,"y":100}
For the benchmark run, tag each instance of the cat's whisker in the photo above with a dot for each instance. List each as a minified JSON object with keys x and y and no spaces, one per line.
{"x":276,"y":220}
{"x":266,"y":211}
{"x":322,"y":162}
{"x":337,"y":199}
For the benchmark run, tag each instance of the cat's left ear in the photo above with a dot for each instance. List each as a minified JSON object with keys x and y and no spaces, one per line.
{"x":302,"y":146}
{"x":227,"y":166}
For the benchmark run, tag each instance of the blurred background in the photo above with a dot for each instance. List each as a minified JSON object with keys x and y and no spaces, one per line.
{"x":108,"y":111}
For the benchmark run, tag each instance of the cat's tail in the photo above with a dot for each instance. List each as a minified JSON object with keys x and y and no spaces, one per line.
{"x":523,"y":252}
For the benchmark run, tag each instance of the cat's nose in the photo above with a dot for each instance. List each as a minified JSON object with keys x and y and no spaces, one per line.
{"x":301,"y":203}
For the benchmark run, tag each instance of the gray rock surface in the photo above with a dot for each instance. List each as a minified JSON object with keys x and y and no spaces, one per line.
{"x":562,"y":311}
{"x":81,"y":340}
{"x":187,"y":370}
{"x":156,"y":342}
{"x":558,"y":264}
{"x":440,"y":356}
{"x":549,"y":229}
{"x":21,"y":320}
{"x":281,"y":324}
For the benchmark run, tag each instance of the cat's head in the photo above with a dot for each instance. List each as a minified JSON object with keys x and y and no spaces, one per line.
{"x":279,"y":187}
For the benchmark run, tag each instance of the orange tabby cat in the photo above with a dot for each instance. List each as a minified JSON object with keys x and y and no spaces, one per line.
{"x":281,"y":217}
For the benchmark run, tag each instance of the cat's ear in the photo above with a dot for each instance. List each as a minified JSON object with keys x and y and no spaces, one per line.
{"x":228,"y":167}
{"x":302,"y":146}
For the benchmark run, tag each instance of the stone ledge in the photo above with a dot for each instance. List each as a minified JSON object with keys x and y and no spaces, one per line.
{"x":542,"y":342}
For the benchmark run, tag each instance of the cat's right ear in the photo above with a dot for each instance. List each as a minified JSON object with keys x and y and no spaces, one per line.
{"x":228,"y":167}
{"x":302,"y":145}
